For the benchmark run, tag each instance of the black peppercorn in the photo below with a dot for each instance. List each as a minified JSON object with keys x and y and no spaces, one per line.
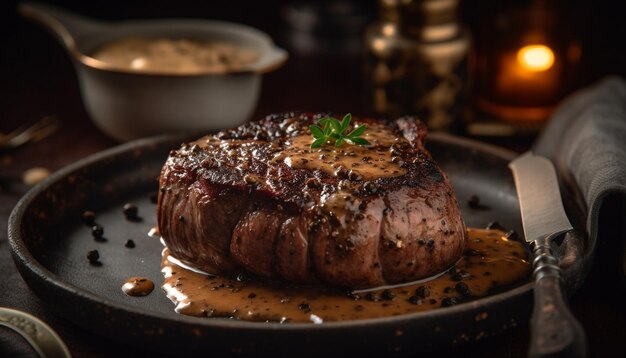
{"x":312,"y":183}
{"x":474,"y":202}
{"x":470,"y":253}
{"x":130,"y":243}
{"x":462,"y":288}
{"x":93,"y":256}
{"x":89,"y":217}
{"x":448,"y":301}
{"x":304,"y":307}
{"x":354,"y":176}
{"x":97,"y":232}
{"x":387,"y":295}
{"x":415,"y":300}
{"x":130,"y":211}
{"x":422,"y":291}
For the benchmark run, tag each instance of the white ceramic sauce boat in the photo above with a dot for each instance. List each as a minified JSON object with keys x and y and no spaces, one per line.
{"x":126,"y":104}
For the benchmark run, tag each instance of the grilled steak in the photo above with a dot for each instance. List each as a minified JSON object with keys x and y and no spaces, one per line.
{"x":257,"y":198}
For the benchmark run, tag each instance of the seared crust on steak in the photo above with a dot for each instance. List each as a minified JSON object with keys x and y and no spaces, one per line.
{"x":245,"y":200}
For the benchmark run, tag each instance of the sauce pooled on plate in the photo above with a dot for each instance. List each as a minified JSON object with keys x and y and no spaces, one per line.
{"x":490,"y":261}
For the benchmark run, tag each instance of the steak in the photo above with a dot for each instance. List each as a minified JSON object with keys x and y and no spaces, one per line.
{"x":257,"y":198}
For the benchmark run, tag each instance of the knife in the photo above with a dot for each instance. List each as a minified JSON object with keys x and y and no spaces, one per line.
{"x":554,"y":330}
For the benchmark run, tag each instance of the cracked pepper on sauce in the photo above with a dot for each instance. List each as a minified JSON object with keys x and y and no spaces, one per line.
{"x":175,"y":56}
{"x":491,"y":260}
{"x":367,"y":163}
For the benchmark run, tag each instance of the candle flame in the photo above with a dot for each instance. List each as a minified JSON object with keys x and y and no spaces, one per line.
{"x":535,"y":58}
{"x":389,"y":30}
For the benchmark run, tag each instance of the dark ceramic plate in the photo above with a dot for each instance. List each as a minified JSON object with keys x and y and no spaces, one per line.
{"x":49,"y":243}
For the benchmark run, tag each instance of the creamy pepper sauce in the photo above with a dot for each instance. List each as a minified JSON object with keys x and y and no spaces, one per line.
{"x":363,"y":162}
{"x":137,"y":286}
{"x":175,"y":56}
{"x":490,"y":261}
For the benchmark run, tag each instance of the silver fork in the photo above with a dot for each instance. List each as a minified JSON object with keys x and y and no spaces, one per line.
{"x":36,"y":132}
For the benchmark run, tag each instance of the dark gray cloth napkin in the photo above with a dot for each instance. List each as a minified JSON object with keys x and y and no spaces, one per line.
{"x":586,"y":140}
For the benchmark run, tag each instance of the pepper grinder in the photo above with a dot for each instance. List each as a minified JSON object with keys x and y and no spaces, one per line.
{"x":416,"y":62}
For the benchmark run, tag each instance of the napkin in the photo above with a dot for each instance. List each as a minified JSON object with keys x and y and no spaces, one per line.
{"x":586,"y":140}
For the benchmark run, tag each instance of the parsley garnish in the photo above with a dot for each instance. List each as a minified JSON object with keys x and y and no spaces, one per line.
{"x":331,"y":129}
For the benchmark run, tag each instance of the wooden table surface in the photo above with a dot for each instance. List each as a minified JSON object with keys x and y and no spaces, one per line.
{"x":38,"y":79}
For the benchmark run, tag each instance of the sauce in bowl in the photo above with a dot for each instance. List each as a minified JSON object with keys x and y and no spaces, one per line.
{"x":175,"y":56}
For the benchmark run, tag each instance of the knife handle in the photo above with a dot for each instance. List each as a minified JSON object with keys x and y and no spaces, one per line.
{"x":555,"y":332}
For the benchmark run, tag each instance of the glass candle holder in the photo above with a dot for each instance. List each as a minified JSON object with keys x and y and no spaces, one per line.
{"x":525,"y":61}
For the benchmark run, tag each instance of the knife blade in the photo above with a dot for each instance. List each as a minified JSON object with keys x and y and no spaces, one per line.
{"x":539,"y":197}
{"x":554,"y":330}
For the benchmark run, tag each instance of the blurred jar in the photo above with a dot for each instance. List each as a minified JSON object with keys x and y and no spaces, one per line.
{"x":416,"y":62}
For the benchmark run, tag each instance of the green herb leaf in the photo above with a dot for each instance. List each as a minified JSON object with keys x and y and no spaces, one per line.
{"x":318,"y":143}
{"x":316,"y":131}
{"x":335,"y":136}
{"x":329,"y":130}
{"x":358,"y":131}
{"x":334,"y":122}
{"x":345,"y":122}
{"x":360,"y":141}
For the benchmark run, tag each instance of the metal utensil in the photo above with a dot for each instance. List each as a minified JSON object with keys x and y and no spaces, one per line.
{"x":554,"y":330}
{"x":20,"y":136}
{"x":41,"y":337}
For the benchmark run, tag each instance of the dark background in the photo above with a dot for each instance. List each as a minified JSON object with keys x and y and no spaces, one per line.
{"x":37,"y":78}
{"x":29,"y":53}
